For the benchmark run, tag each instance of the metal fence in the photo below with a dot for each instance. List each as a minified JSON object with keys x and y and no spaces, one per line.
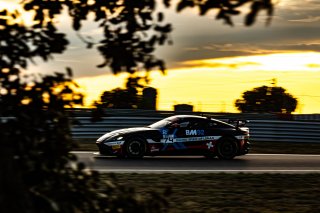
{"x":263,"y":127}
{"x":260,"y":130}
{"x":284,"y":131}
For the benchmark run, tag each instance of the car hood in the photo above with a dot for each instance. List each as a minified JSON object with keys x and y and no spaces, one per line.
{"x":121,"y":132}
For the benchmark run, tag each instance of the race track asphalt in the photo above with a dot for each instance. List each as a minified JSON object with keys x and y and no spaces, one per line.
{"x":251,"y":163}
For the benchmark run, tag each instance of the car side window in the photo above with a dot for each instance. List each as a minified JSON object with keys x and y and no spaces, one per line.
{"x":212,"y":124}
{"x":184,"y":124}
{"x":173,"y":125}
{"x":197,"y":124}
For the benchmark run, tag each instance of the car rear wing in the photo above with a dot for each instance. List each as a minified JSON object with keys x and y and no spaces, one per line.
{"x":238,"y":122}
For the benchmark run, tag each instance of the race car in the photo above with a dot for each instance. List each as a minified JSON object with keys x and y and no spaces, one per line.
{"x":179,"y":135}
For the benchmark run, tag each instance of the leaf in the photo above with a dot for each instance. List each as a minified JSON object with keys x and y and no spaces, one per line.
{"x":100,"y":15}
{"x":220,"y":15}
{"x":28,"y":6}
{"x":228,"y":20}
{"x":203,"y":9}
{"x":164,"y":29}
{"x":184,"y":4}
{"x":250,"y":18}
{"x":146,"y":16}
{"x":103,"y":64}
{"x":51,"y":27}
{"x":160,"y":17}
{"x":233,"y":12}
{"x":166,"y":3}
{"x":89,"y":45}
{"x":162,"y":67}
{"x":69,"y":72}
{"x":39,"y":16}
{"x":76,"y":24}
{"x":3,"y":13}
{"x":270,"y":10}
{"x":3,"y":22}
{"x":162,"y":39}
{"x":153,"y":40}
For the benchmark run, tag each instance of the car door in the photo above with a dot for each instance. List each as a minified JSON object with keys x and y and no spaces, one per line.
{"x":173,"y":136}
{"x":195,"y":135}
{"x":188,"y":137}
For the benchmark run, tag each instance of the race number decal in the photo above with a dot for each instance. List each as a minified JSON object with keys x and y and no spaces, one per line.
{"x":168,"y":139}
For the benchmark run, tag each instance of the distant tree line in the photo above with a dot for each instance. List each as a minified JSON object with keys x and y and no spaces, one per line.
{"x":267,"y":99}
{"x":135,"y":95}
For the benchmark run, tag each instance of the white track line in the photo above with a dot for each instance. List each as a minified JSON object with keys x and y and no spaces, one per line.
{"x":202,"y":171}
{"x":301,"y":155}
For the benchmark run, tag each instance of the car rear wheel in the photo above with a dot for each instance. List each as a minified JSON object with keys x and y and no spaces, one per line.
{"x":135,"y":148}
{"x":227,"y":148}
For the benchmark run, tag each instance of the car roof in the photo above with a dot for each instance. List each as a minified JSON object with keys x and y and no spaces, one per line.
{"x":196,"y":117}
{"x":184,"y":116}
{"x":191,"y":116}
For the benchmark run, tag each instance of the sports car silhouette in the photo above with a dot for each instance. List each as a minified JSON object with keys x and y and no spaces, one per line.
{"x":179,"y":135}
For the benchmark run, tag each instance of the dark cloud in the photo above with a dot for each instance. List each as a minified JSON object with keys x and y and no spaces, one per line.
{"x":204,"y":63}
{"x":294,"y":28}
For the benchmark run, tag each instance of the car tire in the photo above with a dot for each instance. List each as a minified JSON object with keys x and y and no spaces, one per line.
{"x":135,"y":148}
{"x":227,"y":148}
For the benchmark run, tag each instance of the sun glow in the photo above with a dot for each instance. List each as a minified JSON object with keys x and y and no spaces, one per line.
{"x":12,"y":6}
{"x":293,"y":61}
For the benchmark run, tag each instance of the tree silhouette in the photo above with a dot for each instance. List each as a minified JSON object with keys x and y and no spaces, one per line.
{"x":133,"y":96}
{"x":38,"y":172}
{"x":128,"y":98}
{"x":267,"y":99}
{"x":133,"y":29}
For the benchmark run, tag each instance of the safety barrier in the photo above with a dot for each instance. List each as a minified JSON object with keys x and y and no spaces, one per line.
{"x":284,"y":131}
{"x":263,"y":127}
{"x":260,"y":130}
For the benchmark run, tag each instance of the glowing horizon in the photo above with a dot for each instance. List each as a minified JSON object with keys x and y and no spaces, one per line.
{"x":288,"y":50}
{"x":214,"y":84}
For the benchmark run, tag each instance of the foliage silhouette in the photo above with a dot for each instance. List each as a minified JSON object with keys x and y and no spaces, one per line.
{"x":267,"y":99}
{"x":128,"y":98}
{"x":133,"y":29}
{"x":38,"y":173}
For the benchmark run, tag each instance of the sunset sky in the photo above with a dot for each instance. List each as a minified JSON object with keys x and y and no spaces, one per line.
{"x":211,"y":64}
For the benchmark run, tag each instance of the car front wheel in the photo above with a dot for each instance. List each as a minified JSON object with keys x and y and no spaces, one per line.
{"x":135,"y":148}
{"x":227,"y":148}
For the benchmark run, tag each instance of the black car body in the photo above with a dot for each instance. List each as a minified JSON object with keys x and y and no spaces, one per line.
{"x":178,"y":135}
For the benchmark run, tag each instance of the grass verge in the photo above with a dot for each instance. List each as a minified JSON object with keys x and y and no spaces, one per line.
{"x":231,"y":192}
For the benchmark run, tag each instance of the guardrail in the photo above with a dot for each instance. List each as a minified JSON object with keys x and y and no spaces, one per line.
{"x":87,"y":112}
{"x":89,"y":129}
{"x":284,"y":131}
{"x":260,"y":130}
{"x":263,"y":127}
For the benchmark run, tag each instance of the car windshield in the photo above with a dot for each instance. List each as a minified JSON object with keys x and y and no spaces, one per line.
{"x":160,"y":124}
